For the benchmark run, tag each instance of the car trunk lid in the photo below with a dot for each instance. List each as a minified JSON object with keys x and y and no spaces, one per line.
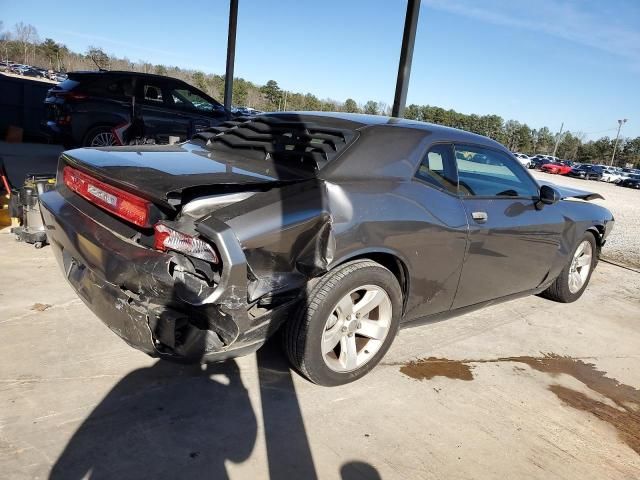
{"x":173,"y":174}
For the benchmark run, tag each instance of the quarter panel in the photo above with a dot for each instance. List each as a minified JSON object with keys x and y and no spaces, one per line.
{"x":424,"y":227}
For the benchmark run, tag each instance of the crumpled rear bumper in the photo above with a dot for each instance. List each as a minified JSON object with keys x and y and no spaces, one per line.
{"x":147,"y":298}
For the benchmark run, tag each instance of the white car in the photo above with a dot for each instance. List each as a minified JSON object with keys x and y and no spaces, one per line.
{"x":522,"y":158}
{"x":611,"y":175}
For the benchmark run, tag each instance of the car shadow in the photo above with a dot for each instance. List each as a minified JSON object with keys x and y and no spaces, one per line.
{"x":172,"y":420}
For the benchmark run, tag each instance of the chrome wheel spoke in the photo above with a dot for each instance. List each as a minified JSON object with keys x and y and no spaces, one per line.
{"x":330,"y":339}
{"x":576,"y":280}
{"x":345,"y":306}
{"x":103,"y":139}
{"x":583,"y":261}
{"x":372,"y":329}
{"x":372,"y":299}
{"x":348,"y":352}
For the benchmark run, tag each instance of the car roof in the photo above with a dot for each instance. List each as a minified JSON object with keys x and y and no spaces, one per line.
{"x":358,"y":121}
{"x":121,"y":73}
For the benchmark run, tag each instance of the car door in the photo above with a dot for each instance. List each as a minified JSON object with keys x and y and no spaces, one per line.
{"x":158,"y":116}
{"x":438,"y":240}
{"x":512,"y":240}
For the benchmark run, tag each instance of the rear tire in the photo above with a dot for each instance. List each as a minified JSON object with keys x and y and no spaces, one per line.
{"x":99,"y":137}
{"x":336,"y":338}
{"x":573,"y":279}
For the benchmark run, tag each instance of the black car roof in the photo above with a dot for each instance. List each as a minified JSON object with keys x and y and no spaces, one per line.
{"x":121,"y":73}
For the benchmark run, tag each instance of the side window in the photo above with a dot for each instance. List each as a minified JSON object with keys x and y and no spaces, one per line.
{"x":438,"y":168}
{"x":152,"y":93}
{"x":109,"y":87}
{"x":187,"y":99}
{"x":486,"y":172}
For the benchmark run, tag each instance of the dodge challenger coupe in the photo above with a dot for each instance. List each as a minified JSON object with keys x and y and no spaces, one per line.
{"x":335,"y":229}
{"x":556,"y":167}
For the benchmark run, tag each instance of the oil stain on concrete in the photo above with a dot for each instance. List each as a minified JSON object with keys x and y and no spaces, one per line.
{"x":427,"y":368}
{"x":624,"y":416}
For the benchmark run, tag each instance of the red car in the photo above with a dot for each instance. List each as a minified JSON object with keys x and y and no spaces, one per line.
{"x":556,"y":167}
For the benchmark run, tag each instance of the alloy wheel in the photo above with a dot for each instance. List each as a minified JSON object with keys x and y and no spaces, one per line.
{"x":580,"y":266}
{"x":103,"y":139}
{"x":356,"y":328}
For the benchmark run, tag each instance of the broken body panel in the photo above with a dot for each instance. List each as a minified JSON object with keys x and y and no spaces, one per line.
{"x":278,"y":228}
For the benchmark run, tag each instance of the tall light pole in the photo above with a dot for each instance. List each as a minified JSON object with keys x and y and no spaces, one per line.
{"x":615,"y":145}
{"x":555,"y":148}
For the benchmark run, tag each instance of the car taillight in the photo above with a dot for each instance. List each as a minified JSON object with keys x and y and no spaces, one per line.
{"x":167,"y":238}
{"x":122,"y":204}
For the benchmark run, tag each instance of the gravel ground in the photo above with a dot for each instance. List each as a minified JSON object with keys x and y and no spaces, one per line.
{"x":623,"y":245}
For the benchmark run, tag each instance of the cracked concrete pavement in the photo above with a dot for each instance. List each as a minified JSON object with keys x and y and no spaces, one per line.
{"x":75,"y":400}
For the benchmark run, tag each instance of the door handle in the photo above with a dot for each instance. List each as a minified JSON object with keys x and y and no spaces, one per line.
{"x":480,"y":217}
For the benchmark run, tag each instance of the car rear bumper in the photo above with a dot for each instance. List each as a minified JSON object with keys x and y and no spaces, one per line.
{"x":148,"y":298}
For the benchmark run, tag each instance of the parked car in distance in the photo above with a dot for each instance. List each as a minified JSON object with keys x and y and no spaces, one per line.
{"x":334,"y":228}
{"x":27,"y":71}
{"x":246,"y":111}
{"x":556,"y":167}
{"x":611,"y":174}
{"x":537,"y":162}
{"x":112,"y":108}
{"x":632,"y":181}
{"x":587,"y":172}
{"x":522,"y":158}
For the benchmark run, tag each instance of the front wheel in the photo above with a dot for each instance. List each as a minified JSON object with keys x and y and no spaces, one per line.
{"x":574,"y":278}
{"x":346,"y":324}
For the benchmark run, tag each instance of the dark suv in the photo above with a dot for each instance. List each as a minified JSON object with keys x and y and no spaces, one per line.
{"x":119,"y":108}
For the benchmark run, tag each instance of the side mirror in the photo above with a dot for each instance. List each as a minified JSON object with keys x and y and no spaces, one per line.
{"x":548,"y":196}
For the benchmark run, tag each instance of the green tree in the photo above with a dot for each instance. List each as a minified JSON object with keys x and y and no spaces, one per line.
{"x":240,"y":91}
{"x":371,"y":107}
{"x":412,"y":112}
{"x":160,"y":70}
{"x":199,"y":80}
{"x":51,"y":50}
{"x":351,"y":106}
{"x":311,"y":103}
{"x":272,"y":92}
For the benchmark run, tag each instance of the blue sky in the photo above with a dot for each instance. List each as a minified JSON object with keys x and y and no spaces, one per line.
{"x":541,"y":62}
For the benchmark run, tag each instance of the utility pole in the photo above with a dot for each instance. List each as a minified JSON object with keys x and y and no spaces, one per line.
{"x":406,"y":57}
{"x":555,"y":148}
{"x":231,"y":53}
{"x":615,"y":145}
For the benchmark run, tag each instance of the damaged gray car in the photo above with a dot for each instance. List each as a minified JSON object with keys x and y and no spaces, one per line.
{"x":334,"y":229}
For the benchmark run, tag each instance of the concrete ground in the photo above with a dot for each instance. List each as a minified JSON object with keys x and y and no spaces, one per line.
{"x":526,"y":389}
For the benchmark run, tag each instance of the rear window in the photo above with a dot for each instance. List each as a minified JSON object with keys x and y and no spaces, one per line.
{"x":298,"y":144}
{"x":108,"y":85}
{"x":68,"y":84}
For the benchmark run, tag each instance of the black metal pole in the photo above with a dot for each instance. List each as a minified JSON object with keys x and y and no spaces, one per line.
{"x":231,"y":53}
{"x":406,"y":57}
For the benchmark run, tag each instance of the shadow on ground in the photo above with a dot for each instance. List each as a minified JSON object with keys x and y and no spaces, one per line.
{"x":187,"y":421}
